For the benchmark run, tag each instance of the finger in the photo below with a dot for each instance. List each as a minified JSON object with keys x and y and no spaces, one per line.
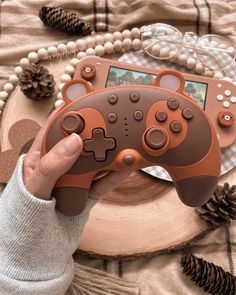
{"x":108,"y":183}
{"x":53,"y":165}
{"x":36,"y":146}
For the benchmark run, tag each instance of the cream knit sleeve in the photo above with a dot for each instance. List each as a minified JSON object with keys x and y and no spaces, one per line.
{"x":36,"y":241}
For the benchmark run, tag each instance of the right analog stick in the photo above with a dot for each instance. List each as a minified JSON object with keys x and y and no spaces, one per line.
{"x":156,"y":138}
{"x":72,"y":122}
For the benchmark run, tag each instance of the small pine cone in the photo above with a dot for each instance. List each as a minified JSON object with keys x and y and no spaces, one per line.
{"x":36,"y":82}
{"x":212,"y":278}
{"x":221,"y":207}
{"x":65,"y":21}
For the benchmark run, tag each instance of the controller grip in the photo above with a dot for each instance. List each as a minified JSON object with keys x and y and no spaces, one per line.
{"x":196,"y":191}
{"x":70,"y":201}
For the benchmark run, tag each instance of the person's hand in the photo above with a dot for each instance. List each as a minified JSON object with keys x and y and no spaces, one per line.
{"x":40,"y":175}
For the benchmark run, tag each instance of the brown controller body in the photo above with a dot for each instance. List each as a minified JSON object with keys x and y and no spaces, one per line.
{"x":221,"y":95}
{"x":132,"y":127}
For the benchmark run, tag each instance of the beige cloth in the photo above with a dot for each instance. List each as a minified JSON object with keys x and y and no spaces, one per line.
{"x":22,"y":31}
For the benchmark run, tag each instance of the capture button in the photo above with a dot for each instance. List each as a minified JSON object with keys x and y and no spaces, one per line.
{"x":72,"y":122}
{"x":173,"y":104}
{"x":88,"y":72}
{"x":161,"y":116}
{"x":226,"y":119}
{"x":187,"y":114}
{"x":112,"y":99}
{"x":134,"y":96}
{"x":175,"y":126}
{"x":155,"y":138}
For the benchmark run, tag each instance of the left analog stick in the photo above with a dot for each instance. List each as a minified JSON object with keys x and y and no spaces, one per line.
{"x":72,"y":122}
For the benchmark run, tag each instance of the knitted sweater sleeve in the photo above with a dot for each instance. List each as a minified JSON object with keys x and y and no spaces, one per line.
{"x":36,"y":241}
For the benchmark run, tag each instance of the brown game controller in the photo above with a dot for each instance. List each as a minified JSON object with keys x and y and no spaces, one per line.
{"x":216,"y":97}
{"x":132,"y":127}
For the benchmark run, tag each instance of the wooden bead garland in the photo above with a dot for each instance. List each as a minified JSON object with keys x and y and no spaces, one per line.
{"x":98,"y":45}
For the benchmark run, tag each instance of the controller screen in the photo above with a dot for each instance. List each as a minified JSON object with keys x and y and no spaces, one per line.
{"x":118,"y":76}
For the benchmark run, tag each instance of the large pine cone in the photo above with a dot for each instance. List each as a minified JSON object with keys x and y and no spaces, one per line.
{"x":36,"y":82}
{"x":212,"y":278}
{"x":221,"y":207}
{"x":65,"y":21}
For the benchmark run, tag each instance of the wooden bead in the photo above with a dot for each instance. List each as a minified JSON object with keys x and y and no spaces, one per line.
{"x":65,"y":78}
{"x":33,"y":57}
{"x":90,"y":42}
{"x":71,"y":47}
{"x":208,"y":73}
{"x":24,"y":62}
{"x":118,"y":45}
{"x":43,"y":54}
{"x":155,"y":50}
{"x":199,"y":68}
{"x":8,"y":87}
{"x":135,"y":33}
{"x":108,"y":47}
{"x":127,"y":44}
{"x":126,"y":34}
{"x":182,"y":59}
{"x":74,"y":62}
{"x":13,"y":79}
{"x":164,"y":52}
{"x":52,"y":50}
{"x":108,"y":37}
{"x":136,"y":44}
{"x":59,"y":96}
{"x":3,"y":95}
{"x":18,"y":70}
{"x":117,"y":36}
{"x":69,"y":70}
{"x":60,"y":86}
{"x":99,"y":50}
{"x":191,"y":62}
{"x":90,"y":51}
{"x":61,"y":48}
{"x":218,"y":75}
{"x":173,"y":56}
{"x":80,"y":45}
{"x":58,"y":103}
{"x":81,"y":54}
{"x":99,"y":40}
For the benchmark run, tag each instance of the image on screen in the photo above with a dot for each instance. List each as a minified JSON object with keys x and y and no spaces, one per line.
{"x":118,"y":76}
{"x":197,"y":91}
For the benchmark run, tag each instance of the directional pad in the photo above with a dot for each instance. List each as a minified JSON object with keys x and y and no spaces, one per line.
{"x":99,"y":144}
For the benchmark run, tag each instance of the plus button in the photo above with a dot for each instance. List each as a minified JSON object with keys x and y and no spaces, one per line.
{"x":99,"y":144}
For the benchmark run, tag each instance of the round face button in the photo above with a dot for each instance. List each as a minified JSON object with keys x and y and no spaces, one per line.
{"x":233,"y":99}
{"x":161,"y":116}
{"x":112,"y":117}
{"x":227,"y":92}
{"x":187,"y":114}
{"x":88,"y":72}
{"x":219,"y":97}
{"x":134,"y":96}
{"x":138,"y":115}
{"x":175,"y":126}
{"x":72,"y":122}
{"x":173,"y":104}
{"x":155,"y":138}
{"x":112,"y":99}
{"x":226,"y":119}
{"x":226,"y":104}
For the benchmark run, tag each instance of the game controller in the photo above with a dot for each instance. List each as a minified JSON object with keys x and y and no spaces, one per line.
{"x":216,"y":97}
{"x":132,"y":127}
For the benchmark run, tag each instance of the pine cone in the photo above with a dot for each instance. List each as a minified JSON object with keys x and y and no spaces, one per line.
{"x":210,"y":277}
{"x":36,"y":82}
{"x":221,"y":207}
{"x":64,"y":20}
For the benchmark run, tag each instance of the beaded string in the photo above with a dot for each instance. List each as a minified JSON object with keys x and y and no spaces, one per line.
{"x":99,"y":45}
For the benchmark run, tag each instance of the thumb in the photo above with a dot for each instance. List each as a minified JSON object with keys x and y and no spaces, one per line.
{"x":53,"y":165}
